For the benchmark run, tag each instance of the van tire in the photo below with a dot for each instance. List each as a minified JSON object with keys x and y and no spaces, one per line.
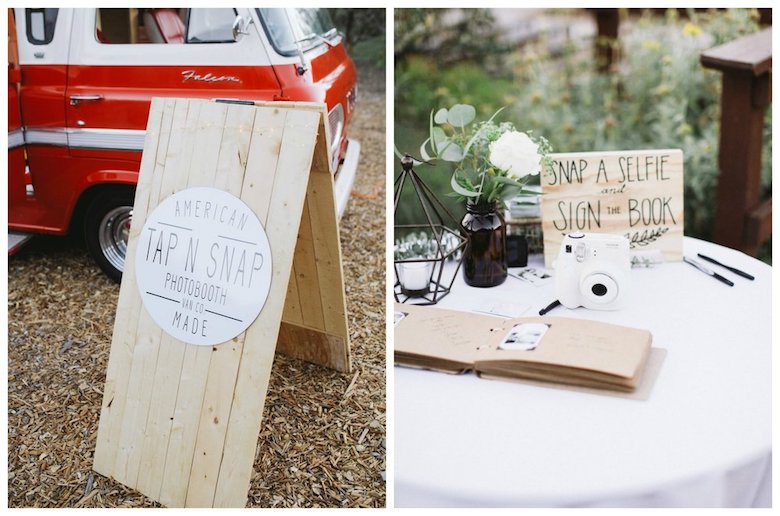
{"x":106,"y":229}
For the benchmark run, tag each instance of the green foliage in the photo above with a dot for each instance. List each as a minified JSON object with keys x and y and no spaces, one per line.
{"x":359,"y":24}
{"x":492,"y":162}
{"x":437,"y":177}
{"x":659,"y":96}
{"x":364,"y":34}
{"x":424,"y":245}
{"x":453,"y":35}
{"x":421,"y":84}
{"x":370,"y":52}
{"x":416,"y":246}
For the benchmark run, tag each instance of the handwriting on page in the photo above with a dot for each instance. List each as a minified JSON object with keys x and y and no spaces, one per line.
{"x":450,"y":332}
{"x":591,"y":343}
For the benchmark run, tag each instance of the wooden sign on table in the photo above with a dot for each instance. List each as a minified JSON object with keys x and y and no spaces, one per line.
{"x":179,"y":422}
{"x":638,"y":194}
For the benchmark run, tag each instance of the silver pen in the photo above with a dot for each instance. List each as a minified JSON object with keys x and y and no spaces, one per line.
{"x":707,"y":271}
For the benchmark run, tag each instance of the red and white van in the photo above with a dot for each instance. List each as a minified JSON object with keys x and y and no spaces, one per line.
{"x":81,"y":81}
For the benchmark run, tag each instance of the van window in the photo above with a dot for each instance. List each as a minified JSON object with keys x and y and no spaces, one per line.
{"x":211,"y":26}
{"x":288,"y":28}
{"x":40,"y":25}
{"x":164,"y":25}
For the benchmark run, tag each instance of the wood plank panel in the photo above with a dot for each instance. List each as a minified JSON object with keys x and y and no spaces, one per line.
{"x":292,"y":304}
{"x":255,"y":369}
{"x":128,"y":308}
{"x":225,"y":358}
{"x":327,"y":248}
{"x":324,"y":341}
{"x":306,"y":277}
{"x":314,"y":345}
{"x":319,"y":238}
{"x":180,"y":422}
{"x":207,"y":135}
{"x":147,"y":340}
{"x":171,"y":353}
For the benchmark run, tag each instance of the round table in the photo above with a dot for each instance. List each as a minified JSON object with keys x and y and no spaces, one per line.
{"x":703,"y":438}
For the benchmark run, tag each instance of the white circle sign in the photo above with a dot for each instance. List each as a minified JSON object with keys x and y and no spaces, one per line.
{"x":203,"y":266}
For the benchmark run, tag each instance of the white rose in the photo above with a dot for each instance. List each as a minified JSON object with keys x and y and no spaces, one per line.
{"x":516,"y":153}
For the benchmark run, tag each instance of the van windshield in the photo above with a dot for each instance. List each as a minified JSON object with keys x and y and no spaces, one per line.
{"x":288,"y":28}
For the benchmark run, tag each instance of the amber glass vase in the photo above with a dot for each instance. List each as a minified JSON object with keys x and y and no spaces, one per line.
{"x":484,"y":259}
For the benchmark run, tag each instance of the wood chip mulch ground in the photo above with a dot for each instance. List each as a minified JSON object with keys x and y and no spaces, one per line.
{"x":323,"y":438}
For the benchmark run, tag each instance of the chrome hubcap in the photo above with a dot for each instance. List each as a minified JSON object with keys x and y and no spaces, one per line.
{"x":113,"y":233}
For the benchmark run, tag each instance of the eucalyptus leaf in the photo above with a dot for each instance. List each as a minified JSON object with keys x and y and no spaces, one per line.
{"x":509,"y":192}
{"x":459,"y":189}
{"x":441,"y":116}
{"x":460,"y":115}
{"x":430,"y":132}
{"x":490,"y":190}
{"x":470,"y":175}
{"x":439,"y":138}
{"x":423,"y":150}
{"x":508,"y":181}
{"x":452,"y":152}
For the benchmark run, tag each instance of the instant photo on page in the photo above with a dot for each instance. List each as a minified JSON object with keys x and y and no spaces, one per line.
{"x":550,"y":349}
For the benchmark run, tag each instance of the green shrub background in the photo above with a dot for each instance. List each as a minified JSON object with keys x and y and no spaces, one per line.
{"x":657,"y":96}
{"x":364,"y":33}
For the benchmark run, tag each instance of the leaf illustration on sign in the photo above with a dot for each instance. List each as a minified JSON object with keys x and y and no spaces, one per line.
{"x":203,"y":266}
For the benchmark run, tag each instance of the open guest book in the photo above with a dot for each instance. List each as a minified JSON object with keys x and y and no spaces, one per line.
{"x":551,"y":349}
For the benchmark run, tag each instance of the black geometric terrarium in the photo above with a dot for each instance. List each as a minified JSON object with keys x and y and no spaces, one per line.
{"x":427,"y":256}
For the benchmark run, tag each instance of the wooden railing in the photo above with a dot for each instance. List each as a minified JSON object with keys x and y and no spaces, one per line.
{"x":608,"y":28}
{"x":742,"y":220}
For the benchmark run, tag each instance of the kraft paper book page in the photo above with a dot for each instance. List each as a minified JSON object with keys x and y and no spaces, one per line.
{"x":571,"y":351}
{"x":444,"y":340}
{"x":560,"y":350}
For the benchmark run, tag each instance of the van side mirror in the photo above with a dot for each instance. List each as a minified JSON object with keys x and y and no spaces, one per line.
{"x":241,"y":26}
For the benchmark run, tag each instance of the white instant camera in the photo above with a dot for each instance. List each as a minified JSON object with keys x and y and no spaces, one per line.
{"x":593,"y":270}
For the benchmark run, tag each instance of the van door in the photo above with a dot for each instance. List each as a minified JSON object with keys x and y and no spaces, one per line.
{"x":16,"y":158}
{"x":39,"y":85}
{"x":120,"y":58}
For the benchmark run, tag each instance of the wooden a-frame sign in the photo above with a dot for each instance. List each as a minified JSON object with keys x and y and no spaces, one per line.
{"x":180,"y":422}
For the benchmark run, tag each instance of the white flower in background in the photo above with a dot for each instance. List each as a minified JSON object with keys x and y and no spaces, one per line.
{"x":517,"y":154}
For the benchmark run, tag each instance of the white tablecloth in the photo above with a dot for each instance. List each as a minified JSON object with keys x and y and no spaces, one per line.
{"x":702,"y":439}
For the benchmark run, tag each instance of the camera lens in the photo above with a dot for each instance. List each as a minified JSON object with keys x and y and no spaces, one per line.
{"x":599,"y":289}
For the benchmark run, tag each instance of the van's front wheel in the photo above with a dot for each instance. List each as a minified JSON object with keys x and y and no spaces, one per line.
{"x":107,"y":228}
